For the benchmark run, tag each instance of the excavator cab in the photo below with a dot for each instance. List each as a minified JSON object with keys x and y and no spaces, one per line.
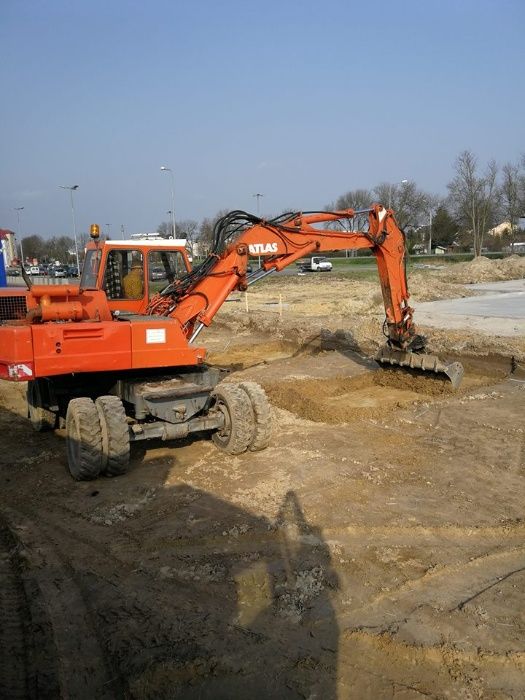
{"x":131,"y":272}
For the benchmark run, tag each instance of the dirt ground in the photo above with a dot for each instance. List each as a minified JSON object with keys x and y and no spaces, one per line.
{"x":375,"y":550}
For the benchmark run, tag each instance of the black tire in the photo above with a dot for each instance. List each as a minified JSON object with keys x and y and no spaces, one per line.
{"x":83,"y":439}
{"x":115,"y":435}
{"x":239,"y":428}
{"x":262,"y":412}
{"x":41,"y":418}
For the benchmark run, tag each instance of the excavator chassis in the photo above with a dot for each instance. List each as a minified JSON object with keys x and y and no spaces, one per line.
{"x":392,"y":357}
{"x":103,"y":413}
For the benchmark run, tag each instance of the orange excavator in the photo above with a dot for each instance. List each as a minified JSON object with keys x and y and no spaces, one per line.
{"x":116,"y":356}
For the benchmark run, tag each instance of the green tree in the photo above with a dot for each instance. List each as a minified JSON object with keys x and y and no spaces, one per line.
{"x":444,"y":227}
{"x":34,"y":247}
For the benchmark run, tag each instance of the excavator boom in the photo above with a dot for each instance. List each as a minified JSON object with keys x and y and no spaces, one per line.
{"x":196,"y":298}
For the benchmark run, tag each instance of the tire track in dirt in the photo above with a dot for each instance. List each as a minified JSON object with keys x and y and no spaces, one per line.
{"x":82,"y":669}
{"x":402,"y":534}
{"x":443,"y":671}
{"x":447,"y":587}
{"x":14,"y":614}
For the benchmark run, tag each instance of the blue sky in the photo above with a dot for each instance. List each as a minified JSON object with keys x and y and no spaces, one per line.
{"x":298,"y":100}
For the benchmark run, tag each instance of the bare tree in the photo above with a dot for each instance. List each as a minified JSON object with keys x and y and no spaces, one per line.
{"x":60,"y":248}
{"x":165,"y":229}
{"x":205,"y":234}
{"x":188,"y":229}
{"x":474,"y":197}
{"x":354,"y":199}
{"x":512,"y":196}
{"x":409,"y":203}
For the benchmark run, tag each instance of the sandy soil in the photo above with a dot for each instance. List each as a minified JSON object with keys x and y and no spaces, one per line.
{"x":374,"y":550}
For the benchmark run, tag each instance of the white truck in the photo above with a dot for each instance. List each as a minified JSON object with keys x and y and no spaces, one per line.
{"x":315,"y":264}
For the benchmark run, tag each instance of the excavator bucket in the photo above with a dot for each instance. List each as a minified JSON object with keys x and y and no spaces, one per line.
{"x":422,"y":362}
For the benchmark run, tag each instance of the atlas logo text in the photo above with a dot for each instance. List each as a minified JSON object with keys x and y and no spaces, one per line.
{"x":261,"y":248}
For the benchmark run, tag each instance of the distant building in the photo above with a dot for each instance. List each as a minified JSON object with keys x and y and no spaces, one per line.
{"x":501,"y":229}
{"x":518,"y":247}
{"x":7,"y":239}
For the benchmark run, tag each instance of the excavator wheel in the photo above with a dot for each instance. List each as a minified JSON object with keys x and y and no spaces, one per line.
{"x":238,"y":431}
{"x":262,"y":413}
{"x":41,"y":418}
{"x":115,"y":435}
{"x":83,"y":439}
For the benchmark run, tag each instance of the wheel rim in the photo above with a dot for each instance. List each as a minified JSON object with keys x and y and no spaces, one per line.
{"x":223,"y":434}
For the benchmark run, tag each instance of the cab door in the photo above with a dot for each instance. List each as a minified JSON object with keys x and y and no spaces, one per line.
{"x":125,"y":281}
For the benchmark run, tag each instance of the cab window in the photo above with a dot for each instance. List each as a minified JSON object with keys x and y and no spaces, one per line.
{"x":90,"y":269}
{"x":164,"y":266}
{"x":124,"y":274}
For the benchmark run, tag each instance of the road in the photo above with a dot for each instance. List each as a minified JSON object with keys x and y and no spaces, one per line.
{"x":499,"y":309}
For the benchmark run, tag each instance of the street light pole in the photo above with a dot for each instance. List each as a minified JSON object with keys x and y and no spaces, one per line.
{"x":258,"y":196}
{"x":18,"y":210}
{"x":71,"y":189}
{"x":430,"y":232}
{"x":109,"y":230}
{"x":170,"y":171}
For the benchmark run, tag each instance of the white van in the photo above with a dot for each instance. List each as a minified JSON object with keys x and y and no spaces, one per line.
{"x":316,"y":264}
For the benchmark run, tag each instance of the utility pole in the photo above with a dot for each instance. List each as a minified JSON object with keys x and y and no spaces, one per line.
{"x":258,"y":196}
{"x":73,"y":188}
{"x":18,"y":210}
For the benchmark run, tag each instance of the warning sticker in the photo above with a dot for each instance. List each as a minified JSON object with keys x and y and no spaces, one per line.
{"x":155,"y":335}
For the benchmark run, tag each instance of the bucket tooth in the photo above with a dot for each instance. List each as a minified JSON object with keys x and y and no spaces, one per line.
{"x":423,"y":362}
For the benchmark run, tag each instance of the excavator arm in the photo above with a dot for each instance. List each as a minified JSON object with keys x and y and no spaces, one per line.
{"x":195,"y":298}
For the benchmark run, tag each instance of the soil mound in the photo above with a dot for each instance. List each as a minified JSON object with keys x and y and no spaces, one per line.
{"x":483,"y":269}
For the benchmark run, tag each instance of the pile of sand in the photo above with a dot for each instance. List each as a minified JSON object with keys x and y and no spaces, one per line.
{"x":427,"y":286}
{"x":483,"y":269}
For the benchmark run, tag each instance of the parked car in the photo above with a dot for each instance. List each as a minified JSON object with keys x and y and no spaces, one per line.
{"x":72,"y":271}
{"x":34,"y":270}
{"x":57,"y":271}
{"x":12,"y":271}
{"x":44,"y":269}
{"x":157,"y":273}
